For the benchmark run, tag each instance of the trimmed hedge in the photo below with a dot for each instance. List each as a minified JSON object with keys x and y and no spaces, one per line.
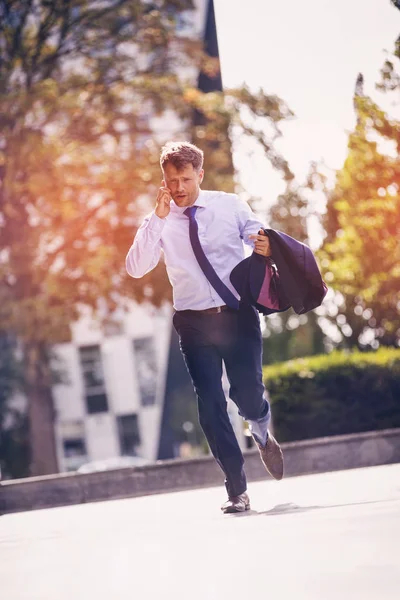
{"x":335,"y":393}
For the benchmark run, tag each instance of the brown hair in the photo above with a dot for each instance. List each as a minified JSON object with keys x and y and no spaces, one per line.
{"x":181,"y":154}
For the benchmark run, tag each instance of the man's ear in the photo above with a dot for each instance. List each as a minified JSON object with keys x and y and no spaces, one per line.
{"x":201,"y":175}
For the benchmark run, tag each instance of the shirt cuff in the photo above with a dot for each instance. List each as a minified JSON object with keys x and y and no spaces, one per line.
{"x":155,"y":223}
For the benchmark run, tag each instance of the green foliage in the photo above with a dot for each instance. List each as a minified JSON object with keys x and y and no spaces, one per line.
{"x":74,"y":159}
{"x":9,"y":373}
{"x":14,"y":450}
{"x":361,"y":253}
{"x":79,"y":84}
{"x":14,"y":447}
{"x":335,"y":394}
{"x":287,"y":336}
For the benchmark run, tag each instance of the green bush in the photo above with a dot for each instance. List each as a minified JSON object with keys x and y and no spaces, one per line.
{"x":335,"y":393}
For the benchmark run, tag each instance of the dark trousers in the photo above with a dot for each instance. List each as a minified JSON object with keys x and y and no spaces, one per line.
{"x":207,"y":339}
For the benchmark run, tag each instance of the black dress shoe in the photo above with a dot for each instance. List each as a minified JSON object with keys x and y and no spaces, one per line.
{"x":236,"y":504}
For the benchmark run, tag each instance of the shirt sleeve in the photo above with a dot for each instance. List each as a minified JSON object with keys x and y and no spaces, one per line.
{"x":248,"y":223}
{"x":145,"y":251}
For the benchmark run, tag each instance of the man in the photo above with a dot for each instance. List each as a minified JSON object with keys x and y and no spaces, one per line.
{"x":201,"y":234}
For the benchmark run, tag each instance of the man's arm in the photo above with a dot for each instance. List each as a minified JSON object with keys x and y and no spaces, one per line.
{"x":145,"y":251}
{"x":251,"y":229}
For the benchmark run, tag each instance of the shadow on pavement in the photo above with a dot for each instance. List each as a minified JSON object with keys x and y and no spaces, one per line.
{"x":290,"y":508}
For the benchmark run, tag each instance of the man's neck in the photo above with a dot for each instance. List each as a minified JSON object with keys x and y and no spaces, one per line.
{"x":197,"y":197}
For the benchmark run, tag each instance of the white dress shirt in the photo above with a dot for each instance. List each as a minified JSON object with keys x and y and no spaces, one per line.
{"x":224,"y":221}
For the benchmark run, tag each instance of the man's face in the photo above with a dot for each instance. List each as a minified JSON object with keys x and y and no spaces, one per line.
{"x":184,"y":183}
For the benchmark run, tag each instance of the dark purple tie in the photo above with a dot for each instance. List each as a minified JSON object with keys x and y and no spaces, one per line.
{"x":205,"y":265}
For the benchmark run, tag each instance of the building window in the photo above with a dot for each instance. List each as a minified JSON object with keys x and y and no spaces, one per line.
{"x":72,"y":436}
{"x":146,"y":369}
{"x":74,"y":447}
{"x":96,"y":403}
{"x":93,"y":378}
{"x":128,"y":434}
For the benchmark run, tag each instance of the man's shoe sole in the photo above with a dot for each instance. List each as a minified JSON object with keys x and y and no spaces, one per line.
{"x":232,"y":510}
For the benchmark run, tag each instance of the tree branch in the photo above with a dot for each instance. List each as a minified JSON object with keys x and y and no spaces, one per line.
{"x":76,"y":228}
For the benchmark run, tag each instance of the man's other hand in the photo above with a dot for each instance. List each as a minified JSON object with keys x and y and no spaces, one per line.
{"x":163,"y":202}
{"x":261,"y":243}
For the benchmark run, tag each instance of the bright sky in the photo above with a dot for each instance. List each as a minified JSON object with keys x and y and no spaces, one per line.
{"x":308,"y":52}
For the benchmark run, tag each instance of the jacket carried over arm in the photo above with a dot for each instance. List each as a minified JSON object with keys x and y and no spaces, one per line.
{"x":297,"y":282}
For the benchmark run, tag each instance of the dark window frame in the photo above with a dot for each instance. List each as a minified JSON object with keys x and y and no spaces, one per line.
{"x":128,"y":433}
{"x":91,"y":365}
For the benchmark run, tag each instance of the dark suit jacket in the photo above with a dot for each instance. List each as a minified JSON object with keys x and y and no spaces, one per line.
{"x":295,"y":282}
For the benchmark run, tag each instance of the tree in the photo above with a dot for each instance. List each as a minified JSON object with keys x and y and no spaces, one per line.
{"x":361,"y":222}
{"x":80,"y":82}
{"x":361,"y":252}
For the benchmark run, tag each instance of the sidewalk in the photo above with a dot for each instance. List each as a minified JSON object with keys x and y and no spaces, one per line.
{"x":317,"y":537}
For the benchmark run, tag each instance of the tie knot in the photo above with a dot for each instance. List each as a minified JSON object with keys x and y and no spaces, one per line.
{"x":190,"y":212}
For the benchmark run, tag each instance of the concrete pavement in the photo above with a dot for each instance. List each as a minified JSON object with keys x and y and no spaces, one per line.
{"x":317,"y":537}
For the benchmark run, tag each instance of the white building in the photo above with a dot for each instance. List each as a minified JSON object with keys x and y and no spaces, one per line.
{"x":111,"y":403}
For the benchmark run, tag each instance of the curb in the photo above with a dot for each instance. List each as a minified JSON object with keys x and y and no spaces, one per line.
{"x":303,"y":457}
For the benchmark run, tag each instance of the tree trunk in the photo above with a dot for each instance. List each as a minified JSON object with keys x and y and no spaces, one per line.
{"x":40,"y":410}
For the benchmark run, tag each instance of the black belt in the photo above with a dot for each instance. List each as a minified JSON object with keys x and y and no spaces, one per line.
{"x":205,"y":311}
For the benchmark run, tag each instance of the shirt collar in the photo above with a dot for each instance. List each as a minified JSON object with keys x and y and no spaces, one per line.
{"x":201,"y":199}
